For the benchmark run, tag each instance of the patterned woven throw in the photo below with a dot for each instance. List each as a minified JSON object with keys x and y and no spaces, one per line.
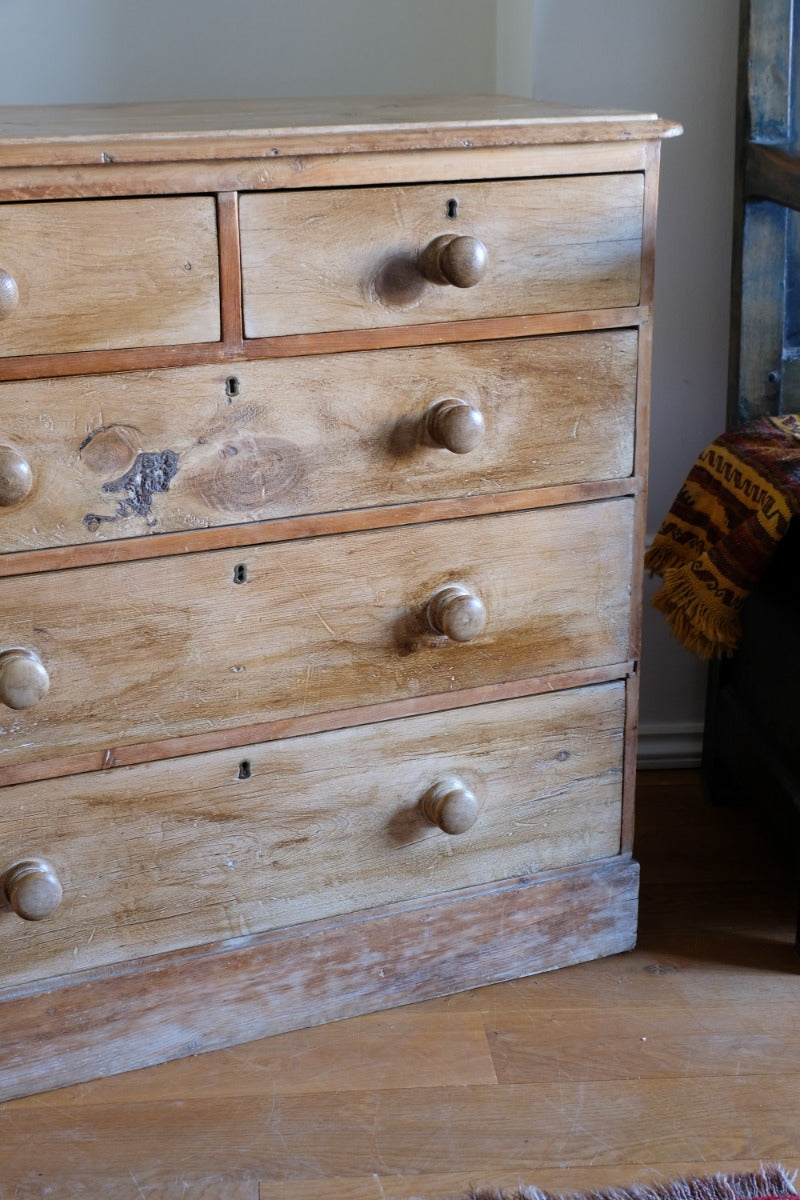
{"x":722,"y":529}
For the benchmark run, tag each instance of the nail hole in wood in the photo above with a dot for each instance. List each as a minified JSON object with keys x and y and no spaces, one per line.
{"x":452,"y":209}
{"x":232,"y":387}
{"x":245,"y":769}
{"x":240,"y":573}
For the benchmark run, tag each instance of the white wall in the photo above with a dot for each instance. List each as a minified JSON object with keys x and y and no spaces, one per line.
{"x":74,"y":51}
{"x":678,"y":58}
{"x":514,"y":48}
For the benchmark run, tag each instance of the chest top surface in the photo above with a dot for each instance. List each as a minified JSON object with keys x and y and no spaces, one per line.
{"x":191,"y":130}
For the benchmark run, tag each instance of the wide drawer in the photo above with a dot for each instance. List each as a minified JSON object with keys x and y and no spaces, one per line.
{"x":352,"y":259}
{"x":105,"y":274}
{"x":126,"y":455}
{"x":217,"y":640}
{"x":168,"y":855}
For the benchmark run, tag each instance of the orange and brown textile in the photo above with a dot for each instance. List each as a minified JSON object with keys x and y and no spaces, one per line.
{"x":722,"y":530}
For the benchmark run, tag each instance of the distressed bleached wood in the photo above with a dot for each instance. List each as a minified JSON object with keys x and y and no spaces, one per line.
{"x":103,"y":361}
{"x":112,"y":756}
{"x":84,"y":285}
{"x":649,"y":220}
{"x":294,"y":528}
{"x":223,"y":845}
{"x":135,"y":651}
{"x":109,"y":757}
{"x":330,"y":491}
{"x":197,"y":131}
{"x":329,"y":260}
{"x":645,"y":347}
{"x":131,"y":454}
{"x":189,"y":1001}
{"x":322,"y":170}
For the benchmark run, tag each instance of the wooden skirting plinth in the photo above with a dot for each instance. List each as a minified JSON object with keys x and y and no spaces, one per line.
{"x":171,"y":1005}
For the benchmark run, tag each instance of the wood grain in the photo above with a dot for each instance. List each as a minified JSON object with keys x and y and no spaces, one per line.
{"x":451,"y":1048}
{"x":359,"y":1135}
{"x":559,"y":1180}
{"x":181,"y":1003}
{"x":112,"y":757}
{"x":257,"y":441}
{"x":329,"y":260}
{"x":83,"y":286}
{"x":42,"y":366}
{"x":230,"y":270}
{"x":230,"y":555}
{"x":231,"y":174}
{"x":147,"y":660}
{"x":224,"y":845}
{"x":196,"y":130}
{"x":256,"y":533}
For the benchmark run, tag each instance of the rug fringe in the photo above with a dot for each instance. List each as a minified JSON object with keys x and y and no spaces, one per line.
{"x":708,"y":631}
{"x":770,"y":1180}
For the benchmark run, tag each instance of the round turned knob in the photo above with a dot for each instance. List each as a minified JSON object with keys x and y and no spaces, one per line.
{"x":23,"y":678}
{"x":455,"y":425}
{"x":16,"y":477}
{"x":32,"y":889}
{"x":456,"y":613}
{"x":450,"y":805}
{"x":9,"y":294}
{"x":454,"y":258}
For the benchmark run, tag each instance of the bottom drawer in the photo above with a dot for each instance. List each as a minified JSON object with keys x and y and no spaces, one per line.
{"x":181,"y":853}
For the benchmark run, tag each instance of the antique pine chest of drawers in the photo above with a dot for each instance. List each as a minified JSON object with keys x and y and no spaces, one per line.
{"x":323,"y":438}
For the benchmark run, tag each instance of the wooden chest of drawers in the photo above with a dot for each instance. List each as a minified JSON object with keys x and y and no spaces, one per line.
{"x":323,"y":439}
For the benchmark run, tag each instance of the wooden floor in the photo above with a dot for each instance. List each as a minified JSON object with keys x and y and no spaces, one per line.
{"x":682,"y":1056}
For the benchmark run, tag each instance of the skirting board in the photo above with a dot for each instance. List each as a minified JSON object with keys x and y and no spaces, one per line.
{"x":171,"y":1005}
{"x":669,"y":747}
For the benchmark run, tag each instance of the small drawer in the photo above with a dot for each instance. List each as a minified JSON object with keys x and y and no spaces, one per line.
{"x":317,"y":261}
{"x":149,"y":650}
{"x":108,"y":274}
{"x":88,"y":459}
{"x":169,"y":855}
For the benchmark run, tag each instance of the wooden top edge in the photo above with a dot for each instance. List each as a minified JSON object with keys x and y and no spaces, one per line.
{"x":187,"y":130}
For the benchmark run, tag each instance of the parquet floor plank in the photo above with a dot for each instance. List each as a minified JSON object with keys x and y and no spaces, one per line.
{"x":458,"y":1184}
{"x":377,"y":1052}
{"x":356,"y":1133}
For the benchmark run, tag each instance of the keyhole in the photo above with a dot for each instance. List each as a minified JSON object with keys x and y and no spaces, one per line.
{"x":240,"y":573}
{"x":452,"y":209}
{"x":245,"y":769}
{"x":232,"y":387}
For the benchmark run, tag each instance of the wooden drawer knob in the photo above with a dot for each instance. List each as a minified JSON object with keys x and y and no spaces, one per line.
{"x":23,"y":678}
{"x":456,"y":259}
{"x":455,"y":425}
{"x":9,"y":294}
{"x":450,"y":805}
{"x":456,"y":613}
{"x":16,"y":477}
{"x":32,"y":889}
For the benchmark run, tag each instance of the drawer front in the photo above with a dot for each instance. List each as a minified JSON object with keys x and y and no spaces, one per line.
{"x":316,"y":434}
{"x":107,"y":274}
{"x":154,"y":649}
{"x":168,"y":855}
{"x":351,"y":259}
